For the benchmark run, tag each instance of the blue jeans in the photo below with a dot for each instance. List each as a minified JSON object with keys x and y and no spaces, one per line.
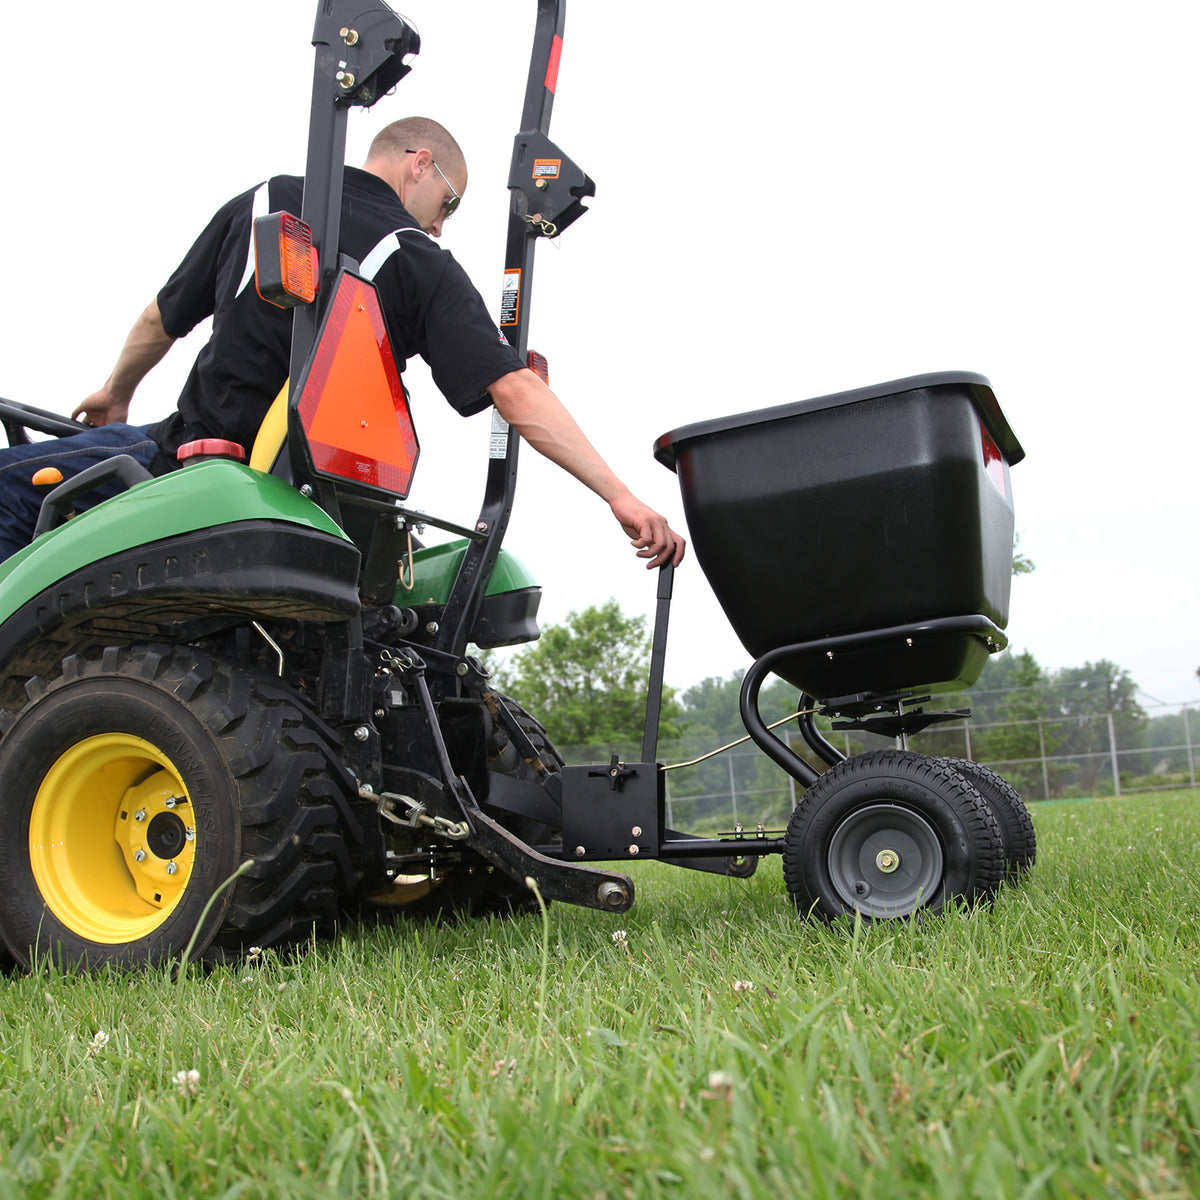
{"x":20,"y":501}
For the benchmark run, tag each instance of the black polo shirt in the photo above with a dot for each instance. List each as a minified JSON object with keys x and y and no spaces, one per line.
{"x":431,"y":308}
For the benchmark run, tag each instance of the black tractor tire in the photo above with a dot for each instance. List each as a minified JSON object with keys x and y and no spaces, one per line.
{"x":1016,"y":825}
{"x":479,"y":890}
{"x":136,"y":782}
{"x":889,"y":835}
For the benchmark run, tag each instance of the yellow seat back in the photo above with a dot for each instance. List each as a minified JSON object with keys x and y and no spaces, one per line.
{"x":272,"y":433}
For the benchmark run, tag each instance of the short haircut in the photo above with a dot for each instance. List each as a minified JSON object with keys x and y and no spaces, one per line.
{"x":416,"y":133}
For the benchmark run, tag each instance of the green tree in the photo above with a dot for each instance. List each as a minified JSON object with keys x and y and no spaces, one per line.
{"x":1022,"y":563}
{"x":586,"y":680}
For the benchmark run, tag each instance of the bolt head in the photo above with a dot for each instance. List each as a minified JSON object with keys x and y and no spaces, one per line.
{"x":139,"y":856}
{"x":171,"y":868}
{"x":579,"y":851}
{"x":635,"y":849}
{"x":140,"y":815}
{"x":887,"y":861}
{"x":361,"y":733}
{"x":636,"y":831}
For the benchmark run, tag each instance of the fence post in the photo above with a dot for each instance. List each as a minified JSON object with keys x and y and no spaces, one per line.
{"x":1187,"y":737}
{"x":732,"y":789}
{"x":1112,"y":748}
{"x":1045,"y":768}
{"x":791,"y":777}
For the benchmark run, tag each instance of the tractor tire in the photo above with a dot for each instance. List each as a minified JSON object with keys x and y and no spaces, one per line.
{"x":479,"y":890}
{"x":889,"y":835}
{"x":1016,"y":825}
{"x":137,"y":781}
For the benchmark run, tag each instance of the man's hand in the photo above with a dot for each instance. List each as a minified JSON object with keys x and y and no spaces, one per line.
{"x":653,"y":538}
{"x":147,"y":342}
{"x":538,"y":415}
{"x":102,"y":408}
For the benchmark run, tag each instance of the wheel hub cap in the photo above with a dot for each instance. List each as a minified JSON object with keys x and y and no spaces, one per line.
{"x":885,"y":860}
{"x":112,"y":838}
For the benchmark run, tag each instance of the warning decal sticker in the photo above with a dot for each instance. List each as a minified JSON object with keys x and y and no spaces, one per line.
{"x":498,"y":446}
{"x":547,"y":168}
{"x":510,"y":297}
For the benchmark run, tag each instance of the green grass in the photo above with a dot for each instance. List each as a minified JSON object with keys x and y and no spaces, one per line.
{"x":1044,"y":1048}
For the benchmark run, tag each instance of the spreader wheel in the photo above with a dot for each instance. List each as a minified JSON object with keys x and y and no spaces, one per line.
{"x":136,"y":782}
{"x":890,"y":834}
{"x":1016,"y":825}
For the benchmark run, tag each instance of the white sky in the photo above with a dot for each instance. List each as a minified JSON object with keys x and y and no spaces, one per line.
{"x":792,"y":199}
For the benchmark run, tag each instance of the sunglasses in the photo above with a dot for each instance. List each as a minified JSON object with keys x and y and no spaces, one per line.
{"x":451,"y":203}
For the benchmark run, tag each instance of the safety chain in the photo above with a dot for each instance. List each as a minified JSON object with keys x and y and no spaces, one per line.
{"x":417,"y":816}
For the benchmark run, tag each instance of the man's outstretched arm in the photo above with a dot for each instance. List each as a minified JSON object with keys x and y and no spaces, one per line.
{"x":145,"y":346}
{"x":538,"y":415}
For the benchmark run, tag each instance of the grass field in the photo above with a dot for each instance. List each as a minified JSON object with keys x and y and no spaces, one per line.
{"x":718,"y":1046}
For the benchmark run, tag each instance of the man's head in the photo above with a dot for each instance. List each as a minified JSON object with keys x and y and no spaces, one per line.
{"x":423,"y":165}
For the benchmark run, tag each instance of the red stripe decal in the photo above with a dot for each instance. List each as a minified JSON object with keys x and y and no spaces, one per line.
{"x":552,"y":65}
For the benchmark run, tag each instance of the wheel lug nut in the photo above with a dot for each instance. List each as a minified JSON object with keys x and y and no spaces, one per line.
{"x":190,"y":835}
{"x":140,"y":815}
{"x":171,"y":868}
{"x":139,"y":856}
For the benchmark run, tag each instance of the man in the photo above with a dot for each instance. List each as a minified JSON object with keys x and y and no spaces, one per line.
{"x":392,"y":209}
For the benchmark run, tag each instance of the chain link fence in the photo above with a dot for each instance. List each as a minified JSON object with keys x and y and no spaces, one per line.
{"x":1045,"y":758}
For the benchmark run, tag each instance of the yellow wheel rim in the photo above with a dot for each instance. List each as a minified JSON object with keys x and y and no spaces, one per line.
{"x":112,"y":838}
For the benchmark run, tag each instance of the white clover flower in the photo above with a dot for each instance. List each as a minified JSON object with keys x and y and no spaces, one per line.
{"x":743,"y":985}
{"x":621,"y":938}
{"x":98,"y":1042}
{"x":187,"y":1083}
{"x":720,"y":1087}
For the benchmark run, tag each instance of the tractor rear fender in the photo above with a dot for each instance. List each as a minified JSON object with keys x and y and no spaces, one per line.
{"x":213,"y":538}
{"x":508,"y":614}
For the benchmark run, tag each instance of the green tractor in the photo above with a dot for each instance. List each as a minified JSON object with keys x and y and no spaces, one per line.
{"x":240,"y":699}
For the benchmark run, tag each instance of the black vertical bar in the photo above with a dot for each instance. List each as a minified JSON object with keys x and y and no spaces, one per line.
{"x":321,"y":208}
{"x":462,"y":608}
{"x":658,"y":656}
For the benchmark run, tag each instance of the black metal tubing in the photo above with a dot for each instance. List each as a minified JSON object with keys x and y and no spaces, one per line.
{"x":814,"y":739}
{"x":749,"y":844}
{"x":17,"y":418}
{"x":57,"y":505}
{"x":778,"y":751}
{"x":658,"y":655}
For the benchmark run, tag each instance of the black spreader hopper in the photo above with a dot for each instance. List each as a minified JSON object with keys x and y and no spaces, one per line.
{"x":863,"y":540}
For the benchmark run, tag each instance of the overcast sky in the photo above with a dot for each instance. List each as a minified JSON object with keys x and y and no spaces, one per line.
{"x":792,"y":199}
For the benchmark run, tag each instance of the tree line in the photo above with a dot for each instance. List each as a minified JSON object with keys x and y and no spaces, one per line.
{"x":586,"y":680}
